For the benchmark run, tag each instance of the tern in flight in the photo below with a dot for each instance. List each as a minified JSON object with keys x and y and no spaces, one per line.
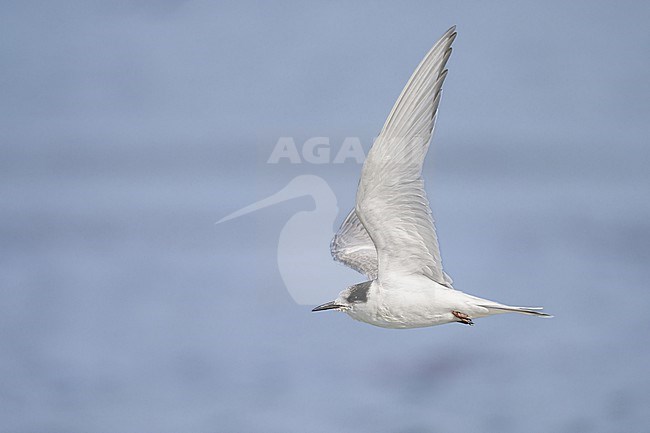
{"x":389,"y":235}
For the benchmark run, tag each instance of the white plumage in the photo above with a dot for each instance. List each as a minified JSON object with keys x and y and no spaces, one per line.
{"x":389,"y":236}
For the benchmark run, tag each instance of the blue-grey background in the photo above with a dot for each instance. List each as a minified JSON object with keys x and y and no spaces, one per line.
{"x":129,"y":128}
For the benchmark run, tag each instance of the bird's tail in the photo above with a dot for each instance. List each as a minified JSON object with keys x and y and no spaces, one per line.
{"x":532,"y":311}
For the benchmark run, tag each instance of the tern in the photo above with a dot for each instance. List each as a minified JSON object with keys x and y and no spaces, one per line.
{"x":389,"y":236}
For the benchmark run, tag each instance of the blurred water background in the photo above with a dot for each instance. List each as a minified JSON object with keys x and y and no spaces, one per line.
{"x":129,"y":128}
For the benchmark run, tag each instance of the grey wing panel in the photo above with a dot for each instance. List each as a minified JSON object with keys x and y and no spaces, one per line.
{"x":353,"y":247}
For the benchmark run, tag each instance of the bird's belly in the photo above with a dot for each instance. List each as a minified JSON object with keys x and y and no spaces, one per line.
{"x":410,"y":303}
{"x":402,"y":316}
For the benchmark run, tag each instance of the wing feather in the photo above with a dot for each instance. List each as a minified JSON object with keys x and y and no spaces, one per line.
{"x":391,"y":204}
{"x":353,"y":247}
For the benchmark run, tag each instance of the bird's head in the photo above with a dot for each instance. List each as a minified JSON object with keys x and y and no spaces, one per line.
{"x":348,"y":298}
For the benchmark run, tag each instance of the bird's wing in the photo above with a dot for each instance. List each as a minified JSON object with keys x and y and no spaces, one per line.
{"x":353,"y":247}
{"x":391,"y":201}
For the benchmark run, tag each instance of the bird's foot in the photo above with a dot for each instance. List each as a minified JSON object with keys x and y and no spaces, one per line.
{"x":462,"y":317}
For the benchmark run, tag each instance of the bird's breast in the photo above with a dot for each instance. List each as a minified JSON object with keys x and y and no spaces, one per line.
{"x":410,"y":303}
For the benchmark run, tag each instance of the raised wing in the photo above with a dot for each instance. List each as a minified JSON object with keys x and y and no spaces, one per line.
{"x":353,"y":247}
{"x":391,"y":202}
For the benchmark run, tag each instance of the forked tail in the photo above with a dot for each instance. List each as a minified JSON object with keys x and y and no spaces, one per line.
{"x":532,"y":311}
